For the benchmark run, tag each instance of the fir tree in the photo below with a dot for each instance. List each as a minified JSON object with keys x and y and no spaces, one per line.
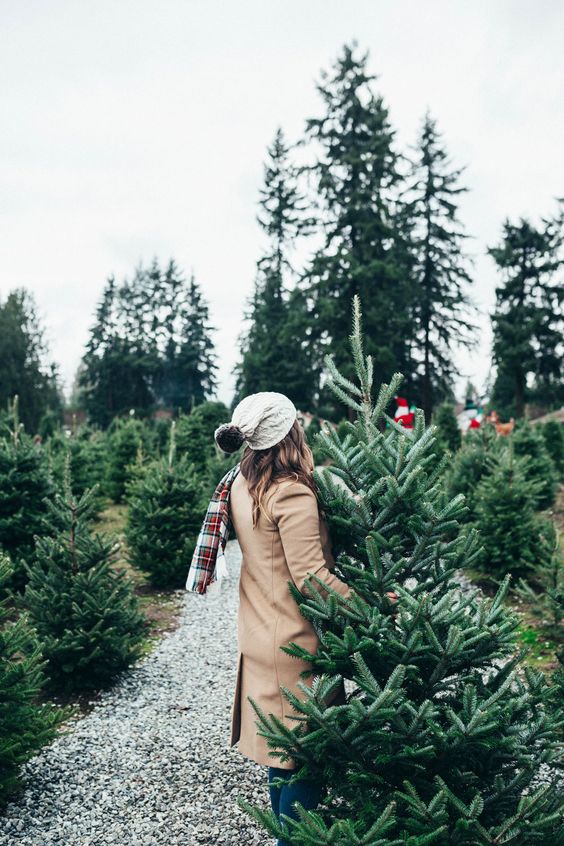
{"x":164,"y":519}
{"x":275,"y":352}
{"x":440,"y":739}
{"x":513,"y":538}
{"x":439,"y":269}
{"x":470,"y":465}
{"x":357,"y":179}
{"x":124,"y":441}
{"x":25,"y":725}
{"x":25,"y":368}
{"x":529,"y":442}
{"x":544,"y":590}
{"x":25,"y":485}
{"x":188,"y":370}
{"x":553,"y":434}
{"x":81,"y":604}
{"x":527,"y":322}
{"x":150,"y":345}
{"x":85,"y":452}
{"x":448,"y":430}
{"x":194,"y":432}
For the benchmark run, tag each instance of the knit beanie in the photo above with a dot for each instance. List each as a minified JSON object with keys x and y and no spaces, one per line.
{"x":262,"y":420}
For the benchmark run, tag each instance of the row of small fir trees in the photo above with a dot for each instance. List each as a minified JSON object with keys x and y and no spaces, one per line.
{"x":69,"y":617}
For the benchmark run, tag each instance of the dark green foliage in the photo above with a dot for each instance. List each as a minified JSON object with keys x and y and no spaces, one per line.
{"x":24,"y":368}
{"x":447,"y":427}
{"x":513,"y":538}
{"x":166,"y":507}
{"x":82,"y":606}
{"x":527,"y":323}
{"x":194,"y":432}
{"x":470,"y":465}
{"x":529,"y":442}
{"x":553,"y":434}
{"x":85,"y":453}
{"x":275,"y":352}
{"x":440,"y":736}
{"x":25,"y":725}
{"x":356,"y":176}
{"x":544,"y":591}
{"x":441,"y":306}
{"x":124,"y":442}
{"x":150,"y":345}
{"x":25,"y":484}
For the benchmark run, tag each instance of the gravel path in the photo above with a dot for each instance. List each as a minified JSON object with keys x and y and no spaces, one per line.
{"x":151,"y":764}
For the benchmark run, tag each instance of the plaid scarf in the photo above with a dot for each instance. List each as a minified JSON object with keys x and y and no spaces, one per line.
{"x":208,"y":562}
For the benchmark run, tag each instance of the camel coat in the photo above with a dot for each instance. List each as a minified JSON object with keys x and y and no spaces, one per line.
{"x":292,"y":544}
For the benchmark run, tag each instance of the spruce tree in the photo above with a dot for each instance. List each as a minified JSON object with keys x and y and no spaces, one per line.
{"x":150,"y":346}
{"x":513,"y":538}
{"x":164,"y":518}
{"x":553,"y":434}
{"x":528,"y":441}
{"x":470,"y":465}
{"x":441,"y":739}
{"x":80,"y":602}
{"x":194,"y":432}
{"x":25,"y":724}
{"x":275,"y":351}
{"x":543,"y":591}
{"x":124,"y":441}
{"x":448,"y":430}
{"x":527,"y":323}
{"x":356,"y":176}
{"x":439,"y":269}
{"x":25,"y":485}
{"x":25,"y":368}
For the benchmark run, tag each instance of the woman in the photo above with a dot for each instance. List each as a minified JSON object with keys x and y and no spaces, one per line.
{"x":274,"y":509}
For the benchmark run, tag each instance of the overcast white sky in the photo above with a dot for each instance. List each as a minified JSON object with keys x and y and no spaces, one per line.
{"x":138,"y":128}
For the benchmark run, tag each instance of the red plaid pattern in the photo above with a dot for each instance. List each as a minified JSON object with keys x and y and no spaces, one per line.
{"x":213,"y":536}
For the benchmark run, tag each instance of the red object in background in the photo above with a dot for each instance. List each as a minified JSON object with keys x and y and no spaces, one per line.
{"x":403,"y":415}
{"x":474,"y":424}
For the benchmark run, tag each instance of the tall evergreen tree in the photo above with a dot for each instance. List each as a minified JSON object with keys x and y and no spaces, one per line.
{"x":275,"y":352}
{"x":439,"y":739}
{"x":24,"y":366}
{"x":25,"y":724}
{"x":25,"y":486}
{"x":356,"y":175}
{"x":440,"y":269}
{"x":150,"y":345}
{"x":527,"y":323}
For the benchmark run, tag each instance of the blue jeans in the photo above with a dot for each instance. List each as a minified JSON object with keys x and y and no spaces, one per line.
{"x":307,"y":793}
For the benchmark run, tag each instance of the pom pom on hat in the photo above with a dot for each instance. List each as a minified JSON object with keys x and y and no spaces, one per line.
{"x":229,"y":437}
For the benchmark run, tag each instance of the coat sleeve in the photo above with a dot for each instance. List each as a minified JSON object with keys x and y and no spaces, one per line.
{"x":296,"y":514}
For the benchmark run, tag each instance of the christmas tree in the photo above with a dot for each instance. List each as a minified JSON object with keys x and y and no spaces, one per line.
{"x":124,"y":441}
{"x":448,"y":432}
{"x":25,"y":725}
{"x":528,"y":441}
{"x":82,"y":605}
{"x":514,"y":539}
{"x":165,"y":513}
{"x":24,"y":485}
{"x":441,"y":738}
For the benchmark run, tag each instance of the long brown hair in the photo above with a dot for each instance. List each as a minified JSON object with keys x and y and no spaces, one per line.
{"x":289,"y":458}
